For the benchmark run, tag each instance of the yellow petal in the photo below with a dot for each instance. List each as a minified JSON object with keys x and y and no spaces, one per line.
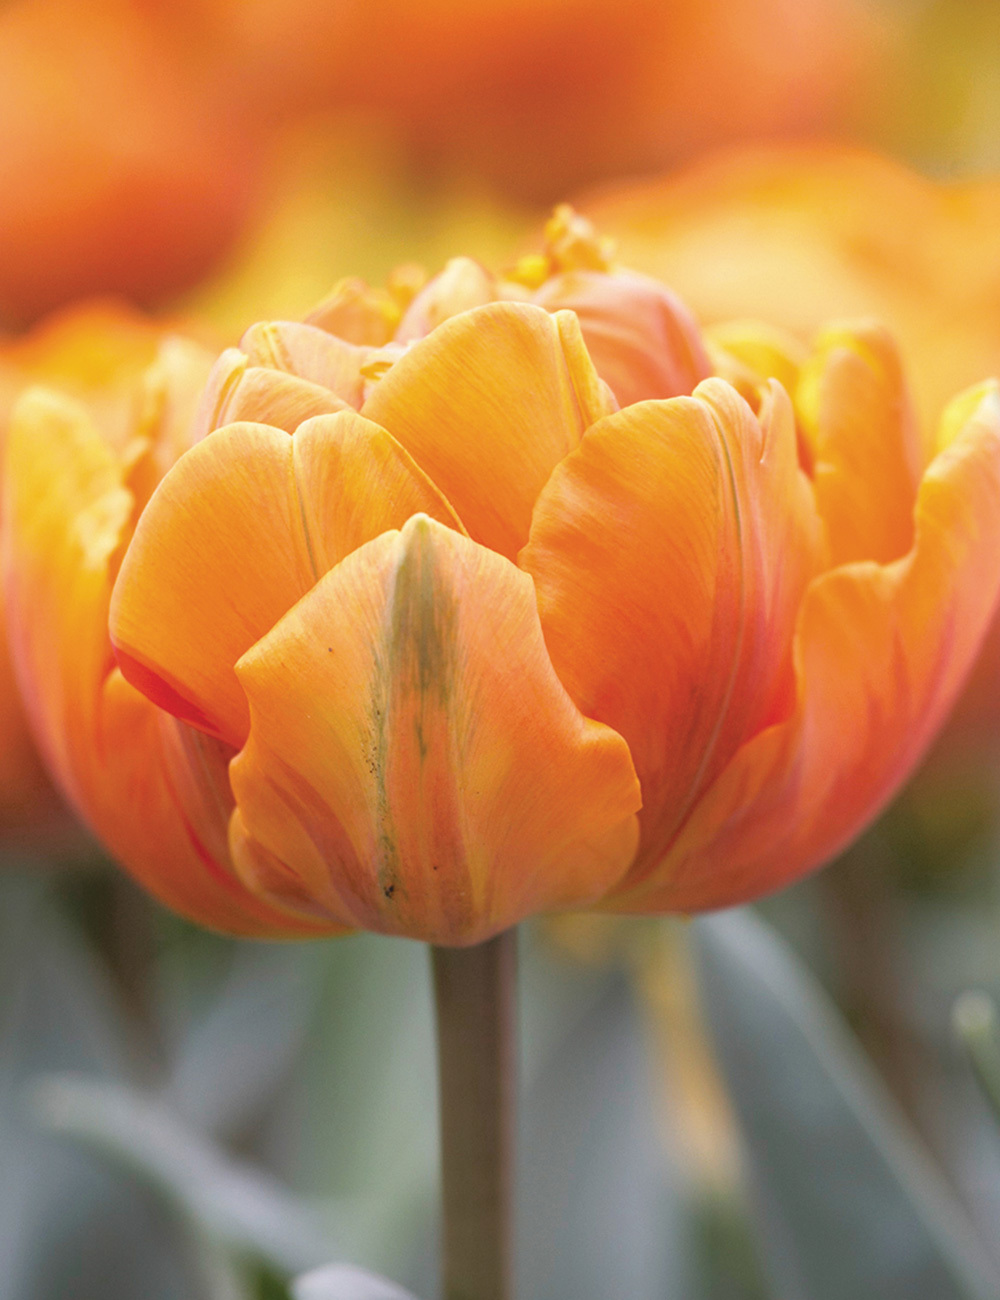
{"x":237,"y":532}
{"x":488,"y":404}
{"x":881,"y":651}
{"x":670,"y":551}
{"x":414,"y":764}
{"x":858,"y":421}
{"x":66,"y":510}
{"x":747,"y":353}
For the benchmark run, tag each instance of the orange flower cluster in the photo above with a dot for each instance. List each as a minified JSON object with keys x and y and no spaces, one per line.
{"x":482,"y":597}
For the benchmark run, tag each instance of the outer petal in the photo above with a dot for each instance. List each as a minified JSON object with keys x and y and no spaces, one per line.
{"x":670,"y":551}
{"x":414,"y":764}
{"x":488,"y":404}
{"x":880,"y":654}
{"x":96,"y":351}
{"x":159,"y":803}
{"x":643,"y":340}
{"x":236,"y":533}
{"x":65,"y":515}
{"x":861,"y":430}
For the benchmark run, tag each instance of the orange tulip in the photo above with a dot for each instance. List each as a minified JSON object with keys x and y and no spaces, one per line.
{"x":434,"y":632}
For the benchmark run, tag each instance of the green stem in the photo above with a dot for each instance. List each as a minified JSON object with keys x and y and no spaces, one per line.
{"x":475,"y":993}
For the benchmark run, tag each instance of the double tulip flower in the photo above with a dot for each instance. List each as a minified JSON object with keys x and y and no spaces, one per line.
{"x":448,"y":607}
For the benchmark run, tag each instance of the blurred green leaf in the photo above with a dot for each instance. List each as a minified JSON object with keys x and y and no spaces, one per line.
{"x":977,"y":1024}
{"x":849,"y":1204}
{"x":599,"y":1213}
{"x":239,"y":1051}
{"x":243,"y":1207}
{"x":360,"y":1115}
{"x":342,"y":1282}
{"x":67,"y":1226}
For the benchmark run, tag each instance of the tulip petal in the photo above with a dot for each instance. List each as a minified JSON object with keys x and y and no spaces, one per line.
{"x":237,"y":391}
{"x":461,"y":286}
{"x":670,"y":551}
{"x":310,"y":353}
{"x":236,"y":533}
{"x":747,"y":353}
{"x":414,"y":764}
{"x":861,"y":430}
{"x":488,"y":405}
{"x":355,"y":312}
{"x":162,"y":810}
{"x":642,"y":339}
{"x":881,"y":652}
{"x":26,"y":796}
{"x":359,"y":482}
{"x":66,"y":515}
{"x":66,"y":510}
{"x":219,"y":554}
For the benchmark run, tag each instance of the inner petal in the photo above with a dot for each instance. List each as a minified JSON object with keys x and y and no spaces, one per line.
{"x":237,"y":532}
{"x":488,"y":404}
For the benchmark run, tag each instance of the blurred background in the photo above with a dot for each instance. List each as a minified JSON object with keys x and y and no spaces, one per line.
{"x":209,"y":152}
{"x":791,"y":1102}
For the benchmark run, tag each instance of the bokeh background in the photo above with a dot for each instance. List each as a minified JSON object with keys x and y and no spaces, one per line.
{"x":773,"y":1104}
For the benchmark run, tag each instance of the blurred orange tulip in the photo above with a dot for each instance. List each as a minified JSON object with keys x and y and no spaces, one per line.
{"x":541,"y":95}
{"x":123,"y":165}
{"x":437,"y":634}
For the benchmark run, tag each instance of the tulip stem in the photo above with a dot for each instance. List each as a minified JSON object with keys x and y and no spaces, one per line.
{"x":475,"y":993}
